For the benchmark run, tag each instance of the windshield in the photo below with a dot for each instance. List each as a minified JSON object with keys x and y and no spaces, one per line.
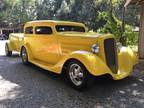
{"x":69,"y":28}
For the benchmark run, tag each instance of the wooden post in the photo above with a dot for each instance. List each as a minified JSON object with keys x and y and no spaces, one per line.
{"x":141,"y":35}
{"x":123,"y":38}
{"x":123,"y":20}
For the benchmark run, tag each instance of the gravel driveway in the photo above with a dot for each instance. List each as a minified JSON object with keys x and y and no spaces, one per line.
{"x":32,"y":87}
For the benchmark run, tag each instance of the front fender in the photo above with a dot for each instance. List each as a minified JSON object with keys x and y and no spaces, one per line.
{"x":127,"y":58}
{"x":96,"y":66}
{"x":91,"y":61}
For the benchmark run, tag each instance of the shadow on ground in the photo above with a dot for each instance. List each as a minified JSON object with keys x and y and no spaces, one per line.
{"x":34,"y":87}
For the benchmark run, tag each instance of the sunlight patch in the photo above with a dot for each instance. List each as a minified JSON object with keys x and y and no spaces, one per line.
{"x":8,"y":90}
{"x":2,"y":47}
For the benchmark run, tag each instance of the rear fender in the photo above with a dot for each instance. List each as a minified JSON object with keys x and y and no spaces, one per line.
{"x":30,"y":56}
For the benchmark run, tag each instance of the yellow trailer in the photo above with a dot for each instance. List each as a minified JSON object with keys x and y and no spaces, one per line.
{"x":14,"y":43}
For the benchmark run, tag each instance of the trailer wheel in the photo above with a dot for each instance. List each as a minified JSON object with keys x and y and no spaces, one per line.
{"x":7,"y":51}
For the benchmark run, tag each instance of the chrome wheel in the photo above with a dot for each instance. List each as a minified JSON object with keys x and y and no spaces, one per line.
{"x":24,"y":55}
{"x":76,"y":74}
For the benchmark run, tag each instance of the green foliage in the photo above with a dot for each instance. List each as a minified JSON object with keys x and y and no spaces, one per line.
{"x":116,"y":29}
{"x":110,"y":27}
{"x":132,"y":37}
{"x":17,"y":11}
{"x":104,"y":16}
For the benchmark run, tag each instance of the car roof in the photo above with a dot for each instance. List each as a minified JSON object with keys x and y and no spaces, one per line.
{"x":56,"y":22}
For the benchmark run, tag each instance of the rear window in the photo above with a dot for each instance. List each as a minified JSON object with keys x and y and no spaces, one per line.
{"x":67,"y":28}
{"x":43,"y":30}
{"x":29,"y":30}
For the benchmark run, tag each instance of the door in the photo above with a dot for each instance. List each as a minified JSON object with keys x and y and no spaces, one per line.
{"x":45,"y":45}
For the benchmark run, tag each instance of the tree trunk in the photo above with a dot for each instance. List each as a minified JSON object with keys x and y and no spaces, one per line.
{"x":123,"y":38}
{"x":141,"y":37}
{"x":111,"y":12}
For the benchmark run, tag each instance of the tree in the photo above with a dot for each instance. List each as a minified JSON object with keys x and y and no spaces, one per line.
{"x":99,"y":15}
{"x":47,"y":9}
{"x":16,"y":12}
{"x":23,"y":11}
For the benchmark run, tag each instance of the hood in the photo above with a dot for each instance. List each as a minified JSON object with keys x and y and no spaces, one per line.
{"x":71,"y":41}
{"x":78,"y":34}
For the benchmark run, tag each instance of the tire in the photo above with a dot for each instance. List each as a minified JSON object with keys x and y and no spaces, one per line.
{"x":7,"y":51}
{"x":78,"y":76}
{"x":24,"y":56}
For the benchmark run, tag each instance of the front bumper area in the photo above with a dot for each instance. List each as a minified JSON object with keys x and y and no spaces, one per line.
{"x":126,"y":60}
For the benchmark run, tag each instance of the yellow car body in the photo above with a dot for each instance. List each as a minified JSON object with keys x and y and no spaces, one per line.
{"x":14,"y":43}
{"x":53,"y":51}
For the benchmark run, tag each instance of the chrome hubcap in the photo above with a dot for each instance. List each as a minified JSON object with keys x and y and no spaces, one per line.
{"x":24,"y":55}
{"x":76,"y":74}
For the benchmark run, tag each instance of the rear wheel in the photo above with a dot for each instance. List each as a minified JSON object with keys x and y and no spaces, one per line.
{"x":7,"y":51}
{"x":24,"y":56}
{"x":78,"y":76}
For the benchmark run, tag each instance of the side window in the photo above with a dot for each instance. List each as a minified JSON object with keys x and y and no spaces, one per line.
{"x":29,"y":30}
{"x":43,"y":30}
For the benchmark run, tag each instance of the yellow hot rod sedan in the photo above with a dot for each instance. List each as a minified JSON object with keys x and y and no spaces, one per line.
{"x":68,"y":48}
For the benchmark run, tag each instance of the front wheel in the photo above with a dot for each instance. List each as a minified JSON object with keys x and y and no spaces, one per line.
{"x":78,"y":75}
{"x":24,"y":56}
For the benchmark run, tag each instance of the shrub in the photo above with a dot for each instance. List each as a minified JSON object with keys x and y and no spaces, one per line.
{"x":116,"y":30}
{"x":132,"y":37}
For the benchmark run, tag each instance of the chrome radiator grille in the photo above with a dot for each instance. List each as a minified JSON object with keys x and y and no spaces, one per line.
{"x":111,"y":54}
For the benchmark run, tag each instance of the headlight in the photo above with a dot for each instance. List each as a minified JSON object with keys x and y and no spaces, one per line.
{"x":95,"y":48}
